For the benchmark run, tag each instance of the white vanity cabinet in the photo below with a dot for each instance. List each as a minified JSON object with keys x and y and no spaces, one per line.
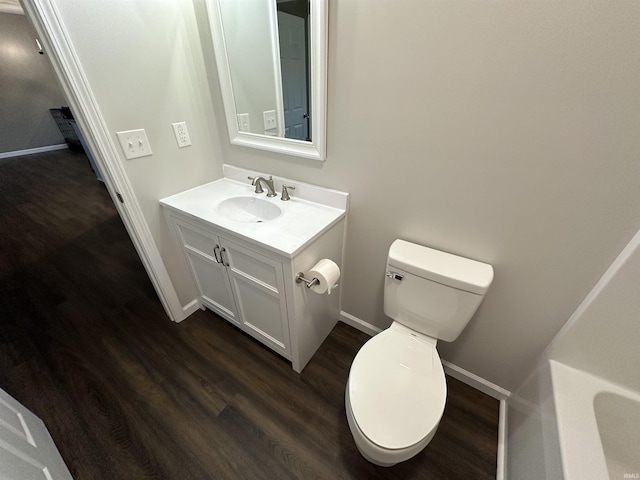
{"x":240,"y":284}
{"x":245,"y":266}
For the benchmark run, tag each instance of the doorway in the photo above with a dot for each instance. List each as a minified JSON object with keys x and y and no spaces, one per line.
{"x":47,"y":20}
{"x":293,"y":35}
{"x":46,"y":175}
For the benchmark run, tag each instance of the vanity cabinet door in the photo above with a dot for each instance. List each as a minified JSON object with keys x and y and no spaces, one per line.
{"x":210,"y":274}
{"x":258,"y":285}
{"x":214,"y":286}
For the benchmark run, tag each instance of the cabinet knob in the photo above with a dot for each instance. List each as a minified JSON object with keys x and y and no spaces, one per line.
{"x":216,"y":249}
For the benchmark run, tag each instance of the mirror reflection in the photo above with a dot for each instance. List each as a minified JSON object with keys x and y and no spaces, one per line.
{"x":267,"y":46}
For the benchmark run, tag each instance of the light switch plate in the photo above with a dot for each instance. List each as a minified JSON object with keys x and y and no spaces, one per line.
{"x":182,"y":134}
{"x":269,"y":119}
{"x":243,"y":122}
{"x":134,"y":143}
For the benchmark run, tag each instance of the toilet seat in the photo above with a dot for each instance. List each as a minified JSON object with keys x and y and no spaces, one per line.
{"x":397,"y":388}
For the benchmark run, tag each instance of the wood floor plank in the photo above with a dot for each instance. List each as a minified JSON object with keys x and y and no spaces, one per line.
{"x":126,"y":394}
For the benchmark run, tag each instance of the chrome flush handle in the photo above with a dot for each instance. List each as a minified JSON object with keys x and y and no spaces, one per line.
{"x":394,"y":276}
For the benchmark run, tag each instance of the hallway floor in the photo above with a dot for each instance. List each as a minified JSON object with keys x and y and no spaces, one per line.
{"x":127,"y":394}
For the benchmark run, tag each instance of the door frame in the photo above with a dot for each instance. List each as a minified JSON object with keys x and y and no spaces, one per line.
{"x":48,"y":23}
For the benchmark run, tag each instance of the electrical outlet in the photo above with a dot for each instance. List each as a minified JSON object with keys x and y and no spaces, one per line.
{"x":182,"y":134}
{"x":269,"y":119}
{"x":243,"y":122}
{"x":134,"y":143}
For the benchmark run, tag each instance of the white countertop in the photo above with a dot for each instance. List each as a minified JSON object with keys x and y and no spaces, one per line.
{"x":301,"y":221}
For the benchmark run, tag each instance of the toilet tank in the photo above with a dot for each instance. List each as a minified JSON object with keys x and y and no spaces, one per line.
{"x":433,"y":292}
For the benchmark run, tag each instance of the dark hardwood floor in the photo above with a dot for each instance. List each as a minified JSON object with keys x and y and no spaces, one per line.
{"x":126,"y":394}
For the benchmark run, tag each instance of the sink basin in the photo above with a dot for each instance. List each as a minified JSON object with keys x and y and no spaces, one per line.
{"x":249,"y":209}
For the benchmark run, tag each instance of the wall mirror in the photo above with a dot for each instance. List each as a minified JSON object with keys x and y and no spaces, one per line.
{"x":272,"y":65}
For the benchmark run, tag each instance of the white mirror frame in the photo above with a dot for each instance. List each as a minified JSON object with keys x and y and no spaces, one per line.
{"x":315,"y":149}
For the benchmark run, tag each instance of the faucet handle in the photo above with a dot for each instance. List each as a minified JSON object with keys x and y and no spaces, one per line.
{"x":285,"y":192}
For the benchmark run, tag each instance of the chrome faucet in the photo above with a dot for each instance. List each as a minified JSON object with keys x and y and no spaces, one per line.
{"x":259,"y":181}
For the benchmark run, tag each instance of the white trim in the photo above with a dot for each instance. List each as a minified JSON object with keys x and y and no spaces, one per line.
{"x":13,"y":8}
{"x":31,"y":151}
{"x":358,"y":324}
{"x":501,"y":472}
{"x":316,"y":149}
{"x":456,"y":372}
{"x":191,"y":307}
{"x":475,"y":381}
{"x":53,"y":34}
{"x":277,"y":67}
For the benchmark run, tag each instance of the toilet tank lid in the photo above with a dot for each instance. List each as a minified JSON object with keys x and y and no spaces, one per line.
{"x":445,"y":268}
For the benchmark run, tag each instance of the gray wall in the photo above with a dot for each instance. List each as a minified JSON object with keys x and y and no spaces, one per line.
{"x":145,"y":66}
{"x":28,"y":89}
{"x":601,"y":337}
{"x":503,"y":131}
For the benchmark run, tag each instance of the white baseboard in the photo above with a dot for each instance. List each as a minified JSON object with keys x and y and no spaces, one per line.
{"x":501,"y":473}
{"x":190,"y":308}
{"x":456,"y":372}
{"x":358,"y":324}
{"x":473,"y":380}
{"x":30,"y":151}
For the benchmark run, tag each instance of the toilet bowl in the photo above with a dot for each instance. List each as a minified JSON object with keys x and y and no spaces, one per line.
{"x":396,"y":392}
{"x":395,"y":395}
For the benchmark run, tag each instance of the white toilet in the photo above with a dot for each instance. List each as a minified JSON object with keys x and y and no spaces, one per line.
{"x":396,"y":391}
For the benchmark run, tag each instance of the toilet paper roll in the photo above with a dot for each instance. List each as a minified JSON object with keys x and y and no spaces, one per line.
{"x":327,"y":273}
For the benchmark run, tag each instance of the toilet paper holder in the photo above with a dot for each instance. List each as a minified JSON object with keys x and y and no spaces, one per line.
{"x":310,"y":283}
